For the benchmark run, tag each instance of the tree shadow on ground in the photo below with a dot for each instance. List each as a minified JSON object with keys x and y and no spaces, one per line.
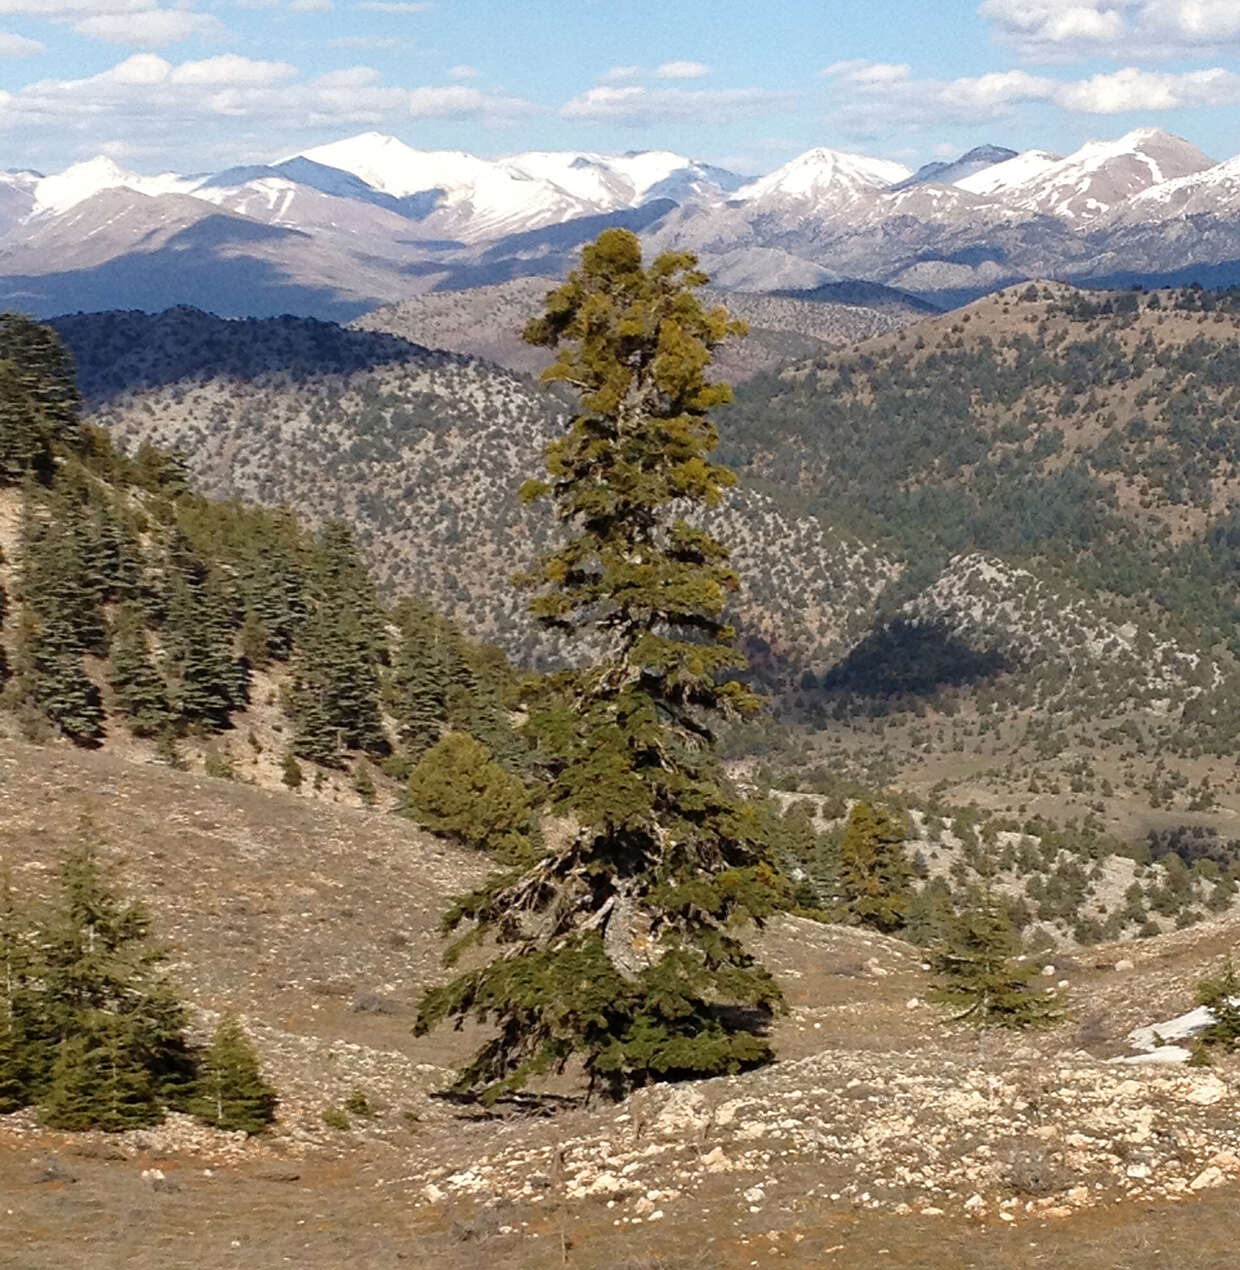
{"x":912,"y":659}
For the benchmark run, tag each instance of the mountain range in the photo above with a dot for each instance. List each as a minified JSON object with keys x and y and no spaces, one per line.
{"x":344,"y":227}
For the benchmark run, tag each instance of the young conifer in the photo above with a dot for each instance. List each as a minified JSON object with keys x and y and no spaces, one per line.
{"x":458,"y":790}
{"x":17,"y":1004}
{"x":981,"y":975}
{"x":230,"y":1092}
{"x":102,"y":990}
{"x":617,"y":947}
{"x":1220,"y":993}
{"x":875,"y":877}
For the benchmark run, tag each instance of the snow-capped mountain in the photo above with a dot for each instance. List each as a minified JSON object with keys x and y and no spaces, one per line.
{"x":1009,"y":174}
{"x":1101,"y":175}
{"x":474,"y":199}
{"x":1213,"y":191}
{"x":368,"y":219}
{"x":54,"y":194}
{"x":824,"y":180}
{"x":942,"y":172}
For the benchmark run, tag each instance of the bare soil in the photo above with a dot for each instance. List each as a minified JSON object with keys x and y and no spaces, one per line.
{"x":866,"y":1145}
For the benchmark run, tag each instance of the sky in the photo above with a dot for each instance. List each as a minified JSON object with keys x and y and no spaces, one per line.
{"x":197,"y":85}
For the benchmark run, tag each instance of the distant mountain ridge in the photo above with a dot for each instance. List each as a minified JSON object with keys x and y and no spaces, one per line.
{"x":366,"y":221}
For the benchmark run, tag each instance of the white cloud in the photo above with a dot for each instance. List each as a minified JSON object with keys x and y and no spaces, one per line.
{"x":231,"y":70}
{"x":644,"y":107}
{"x":19,"y":46}
{"x":463,"y":72}
{"x":310,"y":6}
{"x":366,"y":42}
{"x":859,"y":71}
{"x":1138,"y":90}
{"x":874,"y":96}
{"x":221,"y":105}
{"x":1150,"y":30}
{"x":682,"y":70}
{"x":456,"y":101}
{"x":151,"y":28}
{"x":72,"y":9}
{"x":620,"y":75}
{"x":392,"y":6}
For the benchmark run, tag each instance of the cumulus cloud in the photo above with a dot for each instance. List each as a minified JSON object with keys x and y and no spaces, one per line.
{"x":463,"y":72}
{"x":151,"y":28}
{"x":643,"y":107}
{"x":72,"y":9}
{"x":620,"y":75}
{"x":18,"y":46}
{"x":232,"y":70}
{"x":227,"y":105}
{"x":682,"y":70}
{"x":1139,"y":90}
{"x":456,"y":101}
{"x":310,"y":6}
{"x":1070,"y":30}
{"x":133,"y":22}
{"x":880,"y":95}
{"x":859,"y":71}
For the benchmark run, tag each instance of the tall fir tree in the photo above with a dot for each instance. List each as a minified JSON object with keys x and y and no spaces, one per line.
{"x":209,"y":681}
{"x":39,"y":400}
{"x":54,"y":685}
{"x":334,"y":697}
{"x":618,"y":947}
{"x":876,"y":875}
{"x":140,"y":691}
{"x":418,"y":682}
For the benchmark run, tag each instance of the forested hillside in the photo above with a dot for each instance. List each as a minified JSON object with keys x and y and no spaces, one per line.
{"x":137,"y":613}
{"x":422,"y":453}
{"x":487,"y":321}
{"x":993,"y":550}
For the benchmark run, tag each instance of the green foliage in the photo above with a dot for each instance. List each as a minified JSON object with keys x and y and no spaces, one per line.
{"x":364,"y":784}
{"x":621,"y":953}
{"x":208,"y":680}
{"x":230,"y":1092}
{"x":89,"y":1027}
{"x":290,"y":771}
{"x":981,"y":975}
{"x":458,"y":790}
{"x":140,"y":691}
{"x":875,"y":872}
{"x":19,"y":1027}
{"x":335,"y":691}
{"x":809,"y":857}
{"x":335,"y":1118}
{"x":99,"y":1080}
{"x":1220,"y":992}
{"x":359,"y":1104}
{"x":39,"y":401}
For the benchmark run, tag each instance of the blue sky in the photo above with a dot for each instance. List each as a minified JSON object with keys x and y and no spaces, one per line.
{"x":196,"y":84}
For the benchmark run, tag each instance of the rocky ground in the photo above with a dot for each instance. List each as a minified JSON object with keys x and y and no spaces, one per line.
{"x":884,"y":1136}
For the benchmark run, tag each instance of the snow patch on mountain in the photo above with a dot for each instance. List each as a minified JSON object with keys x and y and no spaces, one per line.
{"x":55,"y":194}
{"x":824,"y":178}
{"x":1101,"y":175}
